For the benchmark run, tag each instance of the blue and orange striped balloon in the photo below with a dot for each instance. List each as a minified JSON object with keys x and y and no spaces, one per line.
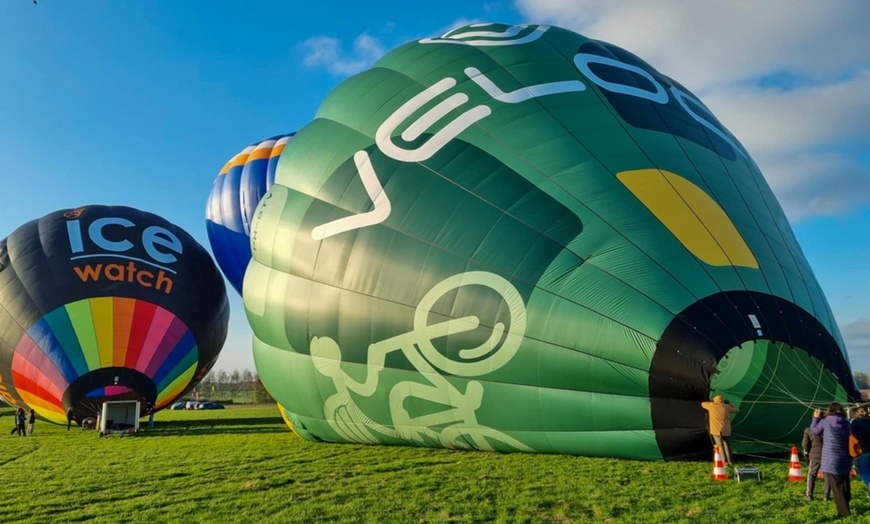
{"x":234,"y":196}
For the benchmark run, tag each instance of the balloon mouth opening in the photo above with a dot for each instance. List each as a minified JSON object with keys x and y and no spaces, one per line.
{"x":745,"y":376}
{"x":87,"y":393}
{"x":765,"y":354}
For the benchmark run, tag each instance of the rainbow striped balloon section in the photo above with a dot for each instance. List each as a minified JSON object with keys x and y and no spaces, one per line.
{"x":101,"y":332}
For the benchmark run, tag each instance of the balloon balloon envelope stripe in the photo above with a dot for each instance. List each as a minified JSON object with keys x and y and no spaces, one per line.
{"x":155,"y":343}
{"x":235,"y":194}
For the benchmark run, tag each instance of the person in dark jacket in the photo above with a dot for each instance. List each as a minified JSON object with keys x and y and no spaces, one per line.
{"x":861,"y":432}
{"x":70,"y":416}
{"x":836,"y":461}
{"x":812,"y":448}
{"x":18,"y":418}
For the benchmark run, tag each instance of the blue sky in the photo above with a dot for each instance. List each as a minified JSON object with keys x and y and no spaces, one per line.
{"x":141,"y":103}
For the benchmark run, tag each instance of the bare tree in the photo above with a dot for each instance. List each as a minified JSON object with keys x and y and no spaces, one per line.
{"x":261,"y":394}
{"x":248,"y":381}
{"x":207,"y":383}
{"x":235,"y":383}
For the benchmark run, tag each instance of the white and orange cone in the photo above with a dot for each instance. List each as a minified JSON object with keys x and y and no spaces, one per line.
{"x":794,"y":467}
{"x":719,"y":472}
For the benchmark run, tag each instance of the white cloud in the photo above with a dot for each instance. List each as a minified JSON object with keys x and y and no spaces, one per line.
{"x":772,"y":120}
{"x":327,"y":52}
{"x":456,"y":24}
{"x":709,"y":43}
{"x":856,"y":335}
{"x":789,"y":78}
{"x":820,"y":183}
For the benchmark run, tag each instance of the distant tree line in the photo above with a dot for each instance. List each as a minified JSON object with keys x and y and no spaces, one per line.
{"x":239,"y":387}
{"x":862,"y":379}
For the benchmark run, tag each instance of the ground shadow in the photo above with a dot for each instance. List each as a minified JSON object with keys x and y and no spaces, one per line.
{"x":251,"y":425}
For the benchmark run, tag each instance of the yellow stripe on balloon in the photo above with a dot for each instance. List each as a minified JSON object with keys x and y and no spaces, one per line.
{"x":278,"y":149}
{"x":237,"y":160}
{"x":102,"y":313}
{"x":286,"y":420}
{"x":176,"y":387}
{"x":691,"y":215}
{"x":47,"y":410}
{"x":259,"y":154}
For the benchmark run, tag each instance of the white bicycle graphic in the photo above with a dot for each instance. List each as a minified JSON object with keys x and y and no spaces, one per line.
{"x":456,"y":427}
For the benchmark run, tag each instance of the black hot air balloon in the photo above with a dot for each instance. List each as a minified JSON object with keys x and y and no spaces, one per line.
{"x":105,"y":303}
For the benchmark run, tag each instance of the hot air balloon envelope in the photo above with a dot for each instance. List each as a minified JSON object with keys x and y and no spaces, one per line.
{"x":234,"y":196}
{"x":104,"y":303}
{"x":516,"y":238}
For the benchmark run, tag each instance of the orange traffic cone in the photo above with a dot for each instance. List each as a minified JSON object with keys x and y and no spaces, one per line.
{"x":794,"y":467}
{"x":719,"y":472}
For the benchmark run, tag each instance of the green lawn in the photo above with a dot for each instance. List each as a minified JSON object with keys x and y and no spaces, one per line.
{"x":244,"y":465}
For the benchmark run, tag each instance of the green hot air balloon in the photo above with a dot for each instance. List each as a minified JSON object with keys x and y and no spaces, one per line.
{"x":516,"y":238}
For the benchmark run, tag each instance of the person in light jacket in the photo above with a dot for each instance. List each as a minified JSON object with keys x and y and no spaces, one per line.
{"x":836,"y":461}
{"x":720,"y":411}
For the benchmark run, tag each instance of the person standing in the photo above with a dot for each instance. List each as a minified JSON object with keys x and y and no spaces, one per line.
{"x":31,"y":421}
{"x":836,"y":461}
{"x":860,"y":428}
{"x":20,"y":419}
{"x":812,"y":448}
{"x":70,"y":416}
{"x":720,"y":411}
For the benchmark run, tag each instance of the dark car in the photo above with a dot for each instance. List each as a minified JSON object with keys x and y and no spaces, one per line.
{"x":210,"y":405}
{"x":177,"y":405}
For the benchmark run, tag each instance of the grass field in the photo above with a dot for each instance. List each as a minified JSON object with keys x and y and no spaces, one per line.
{"x":244,"y":465}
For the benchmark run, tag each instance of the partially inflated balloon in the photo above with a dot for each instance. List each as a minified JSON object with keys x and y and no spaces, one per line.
{"x":234,"y":196}
{"x":105,"y":303}
{"x":517,"y":238}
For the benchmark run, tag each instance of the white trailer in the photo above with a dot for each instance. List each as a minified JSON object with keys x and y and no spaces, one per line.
{"x":120,"y":417}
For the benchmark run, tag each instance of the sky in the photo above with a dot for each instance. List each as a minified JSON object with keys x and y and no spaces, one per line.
{"x":141,"y":103}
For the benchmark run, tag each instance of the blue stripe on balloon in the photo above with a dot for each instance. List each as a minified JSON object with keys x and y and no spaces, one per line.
{"x":183,"y":365}
{"x":60,"y":324}
{"x":252,"y":187}
{"x":232,"y":251}
{"x":99,"y":392}
{"x":230,"y":203}
{"x":179,"y":353}
{"x":44,"y":338}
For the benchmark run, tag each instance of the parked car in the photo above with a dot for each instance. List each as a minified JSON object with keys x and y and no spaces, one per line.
{"x":210,"y":405}
{"x":177,"y":405}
